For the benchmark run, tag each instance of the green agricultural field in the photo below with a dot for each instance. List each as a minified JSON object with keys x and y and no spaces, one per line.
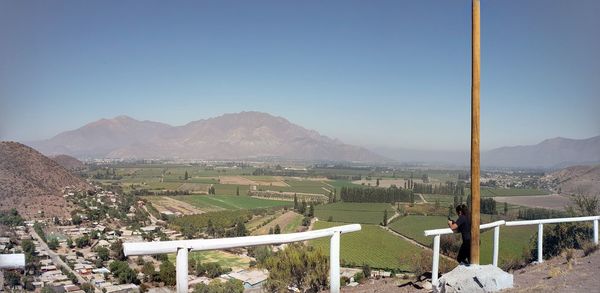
{"x":230,"y":189}
{"x":367,"y":213}
{"x":514,"y":241}
{"x":226,"y":260}
{"x":414,"y":226}
{"x":372,"y":245}
{"x":230,"y":202}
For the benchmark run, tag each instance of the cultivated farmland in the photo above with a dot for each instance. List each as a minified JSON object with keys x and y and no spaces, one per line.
{"x":367,"y":213}
{"x":372,"y":245}
{"x":414,"y":226}
{"x":229,"y":202}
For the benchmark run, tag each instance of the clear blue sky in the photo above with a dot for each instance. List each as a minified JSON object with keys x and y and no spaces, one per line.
{"x":387,"y":73}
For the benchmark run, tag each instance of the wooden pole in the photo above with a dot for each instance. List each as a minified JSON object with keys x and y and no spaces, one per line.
{"x":475,"y":77}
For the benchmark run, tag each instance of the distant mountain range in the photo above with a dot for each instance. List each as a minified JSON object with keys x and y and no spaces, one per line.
{"x":256,"y":135}
{"x":551,"y":153}
{"x":245,"y":135}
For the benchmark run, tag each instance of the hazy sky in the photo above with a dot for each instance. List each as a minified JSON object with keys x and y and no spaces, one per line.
{"x":388,"y":73}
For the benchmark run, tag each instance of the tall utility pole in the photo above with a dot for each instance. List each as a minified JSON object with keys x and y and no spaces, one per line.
{"x":475,"y":76}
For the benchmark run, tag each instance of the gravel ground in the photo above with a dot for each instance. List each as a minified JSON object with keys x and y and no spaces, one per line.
{"x":556,"y":275}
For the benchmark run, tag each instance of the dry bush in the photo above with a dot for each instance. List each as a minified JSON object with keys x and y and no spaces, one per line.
{"x":589,"y":248}
{"x":422,"y":263}
{"x":515,"y":262}
{"x":569,"y":254}
{"x":450,"y":244}
{"x":554,"y":272}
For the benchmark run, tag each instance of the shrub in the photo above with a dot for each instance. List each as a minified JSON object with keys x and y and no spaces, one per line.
{"x":450,"y":244}
{"x":358,"y":277}
{"x":589,"y":248}
{"x":421,"y":264}
{"x":299,"y":266}
{"x":560,"y":237}
{"x":366,"y":270}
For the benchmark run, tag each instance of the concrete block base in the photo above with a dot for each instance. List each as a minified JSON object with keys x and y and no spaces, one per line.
{"x":474,"y":278}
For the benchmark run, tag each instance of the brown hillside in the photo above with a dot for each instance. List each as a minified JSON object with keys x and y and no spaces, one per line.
{"x":31,"y":182}
{"x":68,"y":162}
{"x":579,"y":180}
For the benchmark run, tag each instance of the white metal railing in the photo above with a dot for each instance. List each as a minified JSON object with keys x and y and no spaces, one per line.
{"x":182,"y":247}
{"x":541,"y":223}
{"x":436,"y":245}
{"x":437,"y":232}
{"x":12,"y":261}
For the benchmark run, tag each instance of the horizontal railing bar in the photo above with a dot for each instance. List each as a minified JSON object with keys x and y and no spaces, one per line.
{"x":12,"y":261}
{"x":159,"y":247}
{"x":444,"y":231}
{"x":552,"y":221}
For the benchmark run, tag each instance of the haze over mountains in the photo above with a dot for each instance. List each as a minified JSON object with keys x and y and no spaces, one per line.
{"x":244,"y":135}
{"x":256,"y":135}
{"x":551,"y":153}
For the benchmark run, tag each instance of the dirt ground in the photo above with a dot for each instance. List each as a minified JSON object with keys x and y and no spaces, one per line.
{"x":554,"y":275}
{"x":553,"y":201}
{"x":282,"y":220}
{"x":558,"y":275}
{"x":195,"y":187}
{"x":163,"y":203}
{"x":239,"y":180}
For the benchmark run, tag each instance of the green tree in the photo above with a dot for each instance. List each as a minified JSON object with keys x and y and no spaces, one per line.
{"x":302,"y":209}
{"x":295,"y":202}
{"x":103,"y":253}
{"x":505,"y":208}
{"x":82,"y":241}
{"x":167,"y":273}
{"x":277,"y":229}
{"x":149,"y":272}
{"x":240,"y":228}
{"x":377,"y":183}
{"x":53,"y":243}
{"x":28,"y":283}
{"x":28,"y":246}
{"x":385,"y":218}
{"x":69,"y":242}
{"x":303,"y":267}
{"x":117,"y":250}
{"x":311,"y":210}
{"x":366,"y":270}
{"x":76,"y":219}
{"x":185,"y":177}
{"x":122,"y":271}
{"x":12,"y":278}
{"x":216,"y":286}
{"x":87,"y":287}
{"x":237,"y":190}
{"x":210,"y":229}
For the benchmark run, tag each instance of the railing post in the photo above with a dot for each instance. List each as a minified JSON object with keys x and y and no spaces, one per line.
{"x":540,"y":243}
{"x":436,"y":260}
{"x":596,"y":232}
{"x":182,"y":269}
{"x":334,"y":263}
{"x":496,"y":245}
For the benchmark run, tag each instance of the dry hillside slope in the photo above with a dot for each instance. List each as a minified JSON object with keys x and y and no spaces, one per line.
{"x":579,"y":180}
{"x":31,"y":182}
{"x":68,"y":162}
